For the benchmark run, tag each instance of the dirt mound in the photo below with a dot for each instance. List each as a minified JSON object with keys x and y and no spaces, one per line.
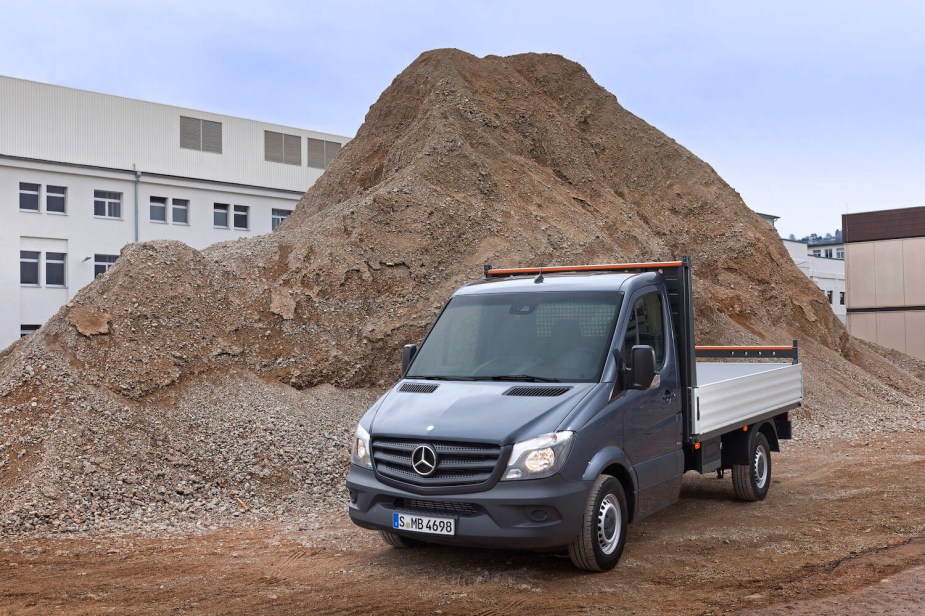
{"x":462,"y":161}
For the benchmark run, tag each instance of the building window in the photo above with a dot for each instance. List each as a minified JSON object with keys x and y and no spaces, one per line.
{"x":158,"y":209}
{"x":841,"y":298}
{"x":282,"y":148}
{"x":29,"y":267}
{"x":202,"y":135}
{"x":29,"y":197}
{"x":828,"y":253}
{"x":829,"y":295}
{"x":220,"y":215}
{"x":25,"y":330}
{"x":107,"y":204}
{"x":180,"y":212}
{"x":102,"y":263}
{"x":278,"y":217}
{"x":241,"y":215}
{"x":56,"y":199}
{"x":54,"y":269}
{"x":321,"y":153}
{"x":840,"y":253}
{"x":817,"y":252}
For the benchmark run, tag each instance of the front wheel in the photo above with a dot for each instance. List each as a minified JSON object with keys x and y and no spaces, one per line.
{"x":752,"y":481}
{"x":399,"y":541}
{"x":600,"y":541}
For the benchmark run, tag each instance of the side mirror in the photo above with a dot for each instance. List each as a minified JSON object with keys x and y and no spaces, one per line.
{"x":407,"y":356}
{"x":643,"y":371}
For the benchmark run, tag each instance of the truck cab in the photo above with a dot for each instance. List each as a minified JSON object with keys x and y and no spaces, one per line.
{"x":548,"y":408}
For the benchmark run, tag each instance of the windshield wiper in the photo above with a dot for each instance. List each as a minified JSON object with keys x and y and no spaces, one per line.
{"x":438,"y":377}
{"x":519,"y":377}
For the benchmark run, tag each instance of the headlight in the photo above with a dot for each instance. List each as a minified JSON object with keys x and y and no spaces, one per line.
{"x":539,"y":457}
{"x":360,"y":455}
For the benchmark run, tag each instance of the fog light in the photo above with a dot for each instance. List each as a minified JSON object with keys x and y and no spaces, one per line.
{"x":539,"y":515}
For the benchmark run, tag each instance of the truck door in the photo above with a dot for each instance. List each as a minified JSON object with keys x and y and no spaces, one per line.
{"x":652,"y":421}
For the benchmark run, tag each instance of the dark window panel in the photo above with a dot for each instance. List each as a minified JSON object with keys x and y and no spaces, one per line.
{"x":158,"y":209}
{"x":220,"y":215}
{"x":54,"y":268}
{"x":56,"y":199}
{"x":180,"y":212}
{"x":29,"y":196}
{"x":25,"y":329}
{"x":241,"y":216}
{"x":28,"y":267}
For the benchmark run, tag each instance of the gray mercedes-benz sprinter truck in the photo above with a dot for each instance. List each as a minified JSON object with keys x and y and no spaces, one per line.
{"x":549,"y":407}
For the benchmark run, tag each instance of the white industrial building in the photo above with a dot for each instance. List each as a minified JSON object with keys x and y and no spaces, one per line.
{"x":82,"y":174}
{"x":827,"y":272}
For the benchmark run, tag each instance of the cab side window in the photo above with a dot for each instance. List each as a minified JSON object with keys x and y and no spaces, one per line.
{"x":646,"y":326}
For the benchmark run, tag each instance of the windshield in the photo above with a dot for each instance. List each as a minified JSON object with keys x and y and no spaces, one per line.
{"x":520,"y":337}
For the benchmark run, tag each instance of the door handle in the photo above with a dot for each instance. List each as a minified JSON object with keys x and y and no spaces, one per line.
{"x":669,"y":396}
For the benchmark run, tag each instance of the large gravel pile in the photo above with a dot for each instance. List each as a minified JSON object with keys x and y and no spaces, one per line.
{"x":224,"y":446}
{"x":157,"y":395}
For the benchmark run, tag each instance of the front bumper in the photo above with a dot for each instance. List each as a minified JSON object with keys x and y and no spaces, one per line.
{"x":528,"y":514}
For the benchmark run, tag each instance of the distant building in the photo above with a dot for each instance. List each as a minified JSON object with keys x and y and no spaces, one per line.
{"x":827,"y":273}
{"x":828,"y":247}
{"x":885,"y":271}
{"x":769,"y":218}
{"x":82,"y":174}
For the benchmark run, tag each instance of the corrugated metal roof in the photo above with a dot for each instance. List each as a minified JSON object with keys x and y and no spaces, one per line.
{"x":53,"y":123}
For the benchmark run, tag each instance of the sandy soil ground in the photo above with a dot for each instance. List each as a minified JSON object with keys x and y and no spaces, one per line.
{"x":842,"y":531}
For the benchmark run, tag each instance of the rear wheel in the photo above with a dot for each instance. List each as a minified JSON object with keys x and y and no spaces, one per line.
{"x":752,"y":481}
{"x":602,"y":537}
{"x":399,"y":541}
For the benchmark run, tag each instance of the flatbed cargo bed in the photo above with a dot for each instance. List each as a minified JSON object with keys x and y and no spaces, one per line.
{"x":729,"y":395}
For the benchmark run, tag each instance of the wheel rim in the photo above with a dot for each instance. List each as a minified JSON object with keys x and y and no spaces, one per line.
{"x":609,"y":523}
{"x":760,"y":467}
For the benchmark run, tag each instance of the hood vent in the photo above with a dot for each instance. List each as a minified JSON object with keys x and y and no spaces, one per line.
{"x":419,"y":388}
{"x":543,"y":392}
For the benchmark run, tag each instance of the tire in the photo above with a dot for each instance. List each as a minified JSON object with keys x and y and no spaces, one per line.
{"x":602,"y":536}
{"x":399,"y":541}
{"x":752,"y":481}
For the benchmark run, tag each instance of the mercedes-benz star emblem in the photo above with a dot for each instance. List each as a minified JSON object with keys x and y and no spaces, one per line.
{"x":424,"y":460}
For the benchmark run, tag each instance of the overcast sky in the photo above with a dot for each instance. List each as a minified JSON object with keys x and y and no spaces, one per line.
{"x":809,"y":109}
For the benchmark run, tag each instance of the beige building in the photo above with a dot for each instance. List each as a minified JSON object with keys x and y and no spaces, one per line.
{"x":885,"y":277}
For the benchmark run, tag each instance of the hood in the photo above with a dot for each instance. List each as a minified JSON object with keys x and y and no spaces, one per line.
{"x":476,"y":411}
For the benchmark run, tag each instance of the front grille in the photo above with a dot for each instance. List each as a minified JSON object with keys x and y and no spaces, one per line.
{"x":458,"y":464}
{"x":544,"y":392}
{"x":419,"y":388}
{"x":437,"y":507}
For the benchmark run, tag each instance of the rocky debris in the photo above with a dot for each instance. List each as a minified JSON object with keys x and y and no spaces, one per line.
{"x":221,"y":448}
{"x":180,"y":414}
{"x":88,"y":321}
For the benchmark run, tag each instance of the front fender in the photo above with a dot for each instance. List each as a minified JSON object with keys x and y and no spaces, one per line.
{"x":613,"y":460}
{"x":610,"y":455}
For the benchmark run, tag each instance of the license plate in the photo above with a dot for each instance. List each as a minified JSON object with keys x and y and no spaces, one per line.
{"x":423,"y":524}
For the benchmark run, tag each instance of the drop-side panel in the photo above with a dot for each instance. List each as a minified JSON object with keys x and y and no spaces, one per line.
{"x":731,"y":394}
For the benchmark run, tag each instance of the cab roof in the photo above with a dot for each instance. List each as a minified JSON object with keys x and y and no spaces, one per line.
{"x":596,"y":281}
